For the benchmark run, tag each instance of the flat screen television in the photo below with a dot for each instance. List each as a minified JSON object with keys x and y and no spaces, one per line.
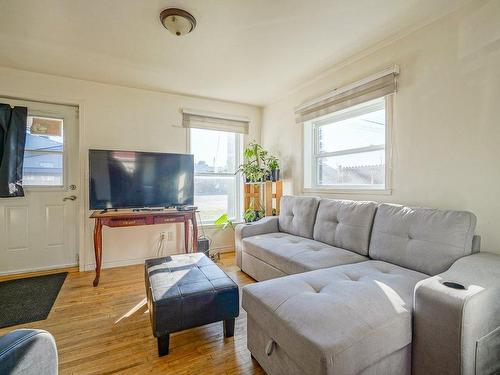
{"x":130,"y":179}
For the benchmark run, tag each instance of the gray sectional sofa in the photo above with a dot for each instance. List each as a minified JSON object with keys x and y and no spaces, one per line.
{"x":359,"y":288}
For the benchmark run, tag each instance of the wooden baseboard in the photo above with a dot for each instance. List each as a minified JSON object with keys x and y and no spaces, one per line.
{"x":131,"y":262}
{"x":37,"y":273}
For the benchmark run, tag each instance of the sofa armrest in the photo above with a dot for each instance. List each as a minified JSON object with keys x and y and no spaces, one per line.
{"x":28,"y":351}
{"x":455,"y":331}
{"x":268,"y":224}
{"x":476,"y":244}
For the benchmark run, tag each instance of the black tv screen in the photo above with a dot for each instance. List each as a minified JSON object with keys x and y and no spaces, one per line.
{"x":129,"y":179}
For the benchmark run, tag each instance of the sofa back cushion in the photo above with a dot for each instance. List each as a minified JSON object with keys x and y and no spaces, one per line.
{"x":346,"y":224}
{"x":422,"y":239}
{"x":297,"y":215}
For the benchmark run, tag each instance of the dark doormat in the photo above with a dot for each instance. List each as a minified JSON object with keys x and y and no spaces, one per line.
{"x":28,"y":300}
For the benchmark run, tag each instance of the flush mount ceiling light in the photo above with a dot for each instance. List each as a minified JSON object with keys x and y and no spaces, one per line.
{"x":177,"y":21}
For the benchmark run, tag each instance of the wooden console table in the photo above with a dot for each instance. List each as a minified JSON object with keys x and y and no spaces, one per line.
{"x":129,"y":218}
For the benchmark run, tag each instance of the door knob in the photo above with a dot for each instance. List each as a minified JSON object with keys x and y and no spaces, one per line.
{"x":70,"y":198}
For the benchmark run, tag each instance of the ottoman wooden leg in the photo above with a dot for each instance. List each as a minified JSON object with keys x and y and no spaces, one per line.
{"x":163,"y":342}
{"x":229,"y":327}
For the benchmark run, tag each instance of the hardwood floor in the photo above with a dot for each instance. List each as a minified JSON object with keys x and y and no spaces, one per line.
{"x":106,"y":330}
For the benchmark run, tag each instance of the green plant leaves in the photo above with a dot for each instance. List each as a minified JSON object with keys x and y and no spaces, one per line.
{"x":258,"y":163}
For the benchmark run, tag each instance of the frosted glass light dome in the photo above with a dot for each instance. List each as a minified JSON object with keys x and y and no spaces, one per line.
{"x":177,"y":21}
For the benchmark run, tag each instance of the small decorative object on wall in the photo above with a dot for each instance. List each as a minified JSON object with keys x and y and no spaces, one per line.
{"x":47,"y":126}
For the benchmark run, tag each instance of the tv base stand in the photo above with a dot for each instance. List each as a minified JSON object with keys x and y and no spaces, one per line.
{"x":128,"y":218}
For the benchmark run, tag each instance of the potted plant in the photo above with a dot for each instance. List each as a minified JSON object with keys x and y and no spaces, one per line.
{"x":255,"y":153}
{"x":253,"y":169}
{"x":254,"y":212}
{"x":223,"y":222}
{"x":246,"y":170}
{"x":274,"y":167}
{"x":251,"y":214}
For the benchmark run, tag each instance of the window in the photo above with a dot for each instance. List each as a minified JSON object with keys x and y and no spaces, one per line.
{"x":44,"y":152}
{"x":217,"y":187}
{"x":347,"y":149}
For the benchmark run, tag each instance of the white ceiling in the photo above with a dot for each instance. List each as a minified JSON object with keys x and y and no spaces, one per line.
{"x":249,"y":51}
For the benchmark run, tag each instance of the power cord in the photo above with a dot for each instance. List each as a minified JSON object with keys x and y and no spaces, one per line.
{"x":214,"y":257}
{"x":160,"y":249}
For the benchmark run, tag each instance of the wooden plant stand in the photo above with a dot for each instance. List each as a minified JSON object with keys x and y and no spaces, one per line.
{"x":273,"y":197}
{"x":273,"y":191}
{"x":251,"y":194}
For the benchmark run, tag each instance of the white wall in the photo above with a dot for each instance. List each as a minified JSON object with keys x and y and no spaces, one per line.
{"x":446,"y":133}
{"x":116,"y":117}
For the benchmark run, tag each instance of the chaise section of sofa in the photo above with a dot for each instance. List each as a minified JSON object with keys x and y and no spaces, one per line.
{"x":309,"y":234}
{"x":340,"y":320}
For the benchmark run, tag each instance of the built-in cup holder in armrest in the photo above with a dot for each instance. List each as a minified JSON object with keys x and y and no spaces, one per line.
{"x":453,"y":285}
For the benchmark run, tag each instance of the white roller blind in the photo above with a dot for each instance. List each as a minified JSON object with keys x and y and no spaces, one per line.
{"x":214,"y":121}
{"x":372,"y":87}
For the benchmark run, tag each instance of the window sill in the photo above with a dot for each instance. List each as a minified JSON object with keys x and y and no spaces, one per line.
{"x":211,"y":225}
{"x":348,"y":191}
{"x":47,"y":188}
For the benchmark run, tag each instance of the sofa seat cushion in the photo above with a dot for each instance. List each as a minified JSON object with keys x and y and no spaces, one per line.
{"x":293,"y":254}
{"x":339,"y":320}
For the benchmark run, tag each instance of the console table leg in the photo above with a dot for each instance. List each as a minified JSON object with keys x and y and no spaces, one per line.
{"x":97,"y":250}
{"x":195,"y":232}
{"x":186,"y":235}
{"x":163,"y":343}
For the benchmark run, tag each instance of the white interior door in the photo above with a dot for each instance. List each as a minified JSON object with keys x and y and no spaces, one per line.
{"x":39,"y":231}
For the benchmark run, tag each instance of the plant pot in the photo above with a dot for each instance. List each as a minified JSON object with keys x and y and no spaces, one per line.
{"x":268,"y":176}
{"x":275,"y":175}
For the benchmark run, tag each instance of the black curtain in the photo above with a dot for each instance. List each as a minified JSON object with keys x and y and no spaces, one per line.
{"x":12,"y":141}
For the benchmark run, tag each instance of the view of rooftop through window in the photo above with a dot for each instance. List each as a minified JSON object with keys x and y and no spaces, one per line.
{"x":351,"y":146}
{"x":43,"y":158}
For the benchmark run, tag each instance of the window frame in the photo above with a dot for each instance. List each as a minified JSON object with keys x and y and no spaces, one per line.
{"x":310,"y":149}
{"x":238,"y":183}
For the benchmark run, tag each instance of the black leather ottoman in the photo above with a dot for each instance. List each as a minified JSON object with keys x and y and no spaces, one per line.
{"x":186,"y":291}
